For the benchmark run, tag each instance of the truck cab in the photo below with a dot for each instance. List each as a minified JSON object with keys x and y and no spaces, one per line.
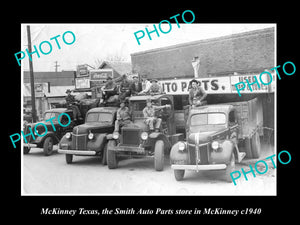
{"x":211,"y":141}
{"x":136,"y":140}
{"x":90,"y":138}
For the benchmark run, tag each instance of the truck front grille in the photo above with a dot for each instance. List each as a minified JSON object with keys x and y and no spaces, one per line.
{"x":202,"y":154}
{"x":131,"y":136}
{"x":79,"y":141}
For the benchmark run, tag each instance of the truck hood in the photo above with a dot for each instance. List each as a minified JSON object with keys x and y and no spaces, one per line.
{"x":203,"y":136}
{"x":92,"y":127}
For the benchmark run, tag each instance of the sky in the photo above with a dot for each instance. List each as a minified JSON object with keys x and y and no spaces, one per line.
{"x":97,"y":42}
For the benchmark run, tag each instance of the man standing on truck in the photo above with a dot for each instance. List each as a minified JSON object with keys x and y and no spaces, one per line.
{"x":196,"y":94}
{"x":123,"y":116}
{"x":149,"y":115}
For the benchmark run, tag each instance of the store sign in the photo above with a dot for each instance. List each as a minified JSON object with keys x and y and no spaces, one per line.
{"x":82,"y":70}
{"x":255,"y":88}
{"x":212,"y":85}
{"x":82,"y":82}
{"x":98,"y":77}
{"x":101,"y":74}
{"x":217,"y":85}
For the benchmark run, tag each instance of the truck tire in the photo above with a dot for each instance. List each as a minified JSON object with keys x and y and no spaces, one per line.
{"x":69,"y":158}
{"x":26,"y":150}
{"x":111,"y":158}
{"x":255,"y":145}
{"x":179,"y":174}
{"x":159,"y":155}
{"x":230,"y":168}
{"x":48,"y":146}
{"x":104,"y":157}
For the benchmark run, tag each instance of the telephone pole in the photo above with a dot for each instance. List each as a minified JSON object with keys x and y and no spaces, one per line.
{"x":33,"y":110}
{"x":56,"y":66}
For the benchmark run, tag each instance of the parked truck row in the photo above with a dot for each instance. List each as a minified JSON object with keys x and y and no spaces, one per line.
{"x":216,"y":136}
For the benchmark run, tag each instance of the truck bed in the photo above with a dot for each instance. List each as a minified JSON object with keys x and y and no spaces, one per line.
{"x":250,"y":117}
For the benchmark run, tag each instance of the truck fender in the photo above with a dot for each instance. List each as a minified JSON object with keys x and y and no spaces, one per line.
{"x":64,"y":140}
{"x":228,"y":148}
{"x":98,"y":142}
{"x":160,"y":136}
{"x":178,"y":157}
{"x":49,"y":134}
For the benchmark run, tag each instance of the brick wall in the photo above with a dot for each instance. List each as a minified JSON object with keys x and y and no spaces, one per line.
{"x":245,"y":52}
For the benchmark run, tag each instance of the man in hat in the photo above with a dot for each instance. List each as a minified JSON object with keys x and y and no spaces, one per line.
{"x":124,"y":88}
{"x":71,"y":103}
{"x":154,"y":88}
{"x":196,"y":94}
{"x":149,"y":114}
{"x":109,"y":89}
{"x":136,"y":86}
{"x":123,"y":116}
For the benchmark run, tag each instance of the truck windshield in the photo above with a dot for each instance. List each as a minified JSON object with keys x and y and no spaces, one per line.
{"x":99,"y":117}
{"x":49,"y":115}
{"x":208,"y":119}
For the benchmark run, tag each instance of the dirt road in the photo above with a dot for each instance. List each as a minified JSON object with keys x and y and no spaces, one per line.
{"x":51,"y":175}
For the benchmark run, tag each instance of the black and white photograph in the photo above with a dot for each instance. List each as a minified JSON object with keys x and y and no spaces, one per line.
{"x":176,"y":108}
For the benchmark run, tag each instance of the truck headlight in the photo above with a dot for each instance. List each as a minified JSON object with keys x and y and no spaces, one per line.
{"x":144,"y":136}
{"x":115,"y":135}
{"x":68,"y":135}
{"x":181,"y":146}
{"x":91,"y":136}
{"x":215,"y":145}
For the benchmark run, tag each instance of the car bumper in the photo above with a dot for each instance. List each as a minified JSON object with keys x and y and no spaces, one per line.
{"x":76,"y":152}
{"x":29,"y":145}
{"x":199,"y":167}
{"x":122,"y":148}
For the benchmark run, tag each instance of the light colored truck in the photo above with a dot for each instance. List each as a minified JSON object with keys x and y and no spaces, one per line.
{"x":217,"y":136}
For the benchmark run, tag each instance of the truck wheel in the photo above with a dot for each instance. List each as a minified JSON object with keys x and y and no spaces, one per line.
{"x":48,"y":146}
{"x":104,"y":157}
{"x":69,"y":158}
{"x":159,"y":155}
{"x":26,"y":150}
{"x":179,"y":174}
{"x":230,"y":168}
{"x":255,"y":143}
{"x":112,"y":162}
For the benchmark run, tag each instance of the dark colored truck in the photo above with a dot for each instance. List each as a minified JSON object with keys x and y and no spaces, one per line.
{"x":217,"y":136}
{"x":52,"y":136}
{"x":136,"y":141}
{"x":90,"y":138}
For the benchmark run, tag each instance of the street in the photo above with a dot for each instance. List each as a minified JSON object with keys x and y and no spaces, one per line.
{"x":87,"y":176}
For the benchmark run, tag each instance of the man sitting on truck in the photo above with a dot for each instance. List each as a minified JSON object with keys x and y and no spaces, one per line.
{"x":124,"y":88}
{"x":196,"y":94}
{"x":153,"y":89}
{"x":149,"y":115}
{"x":123,"y":116}
{"x":109,"y":89}
{"x":71,"y":103}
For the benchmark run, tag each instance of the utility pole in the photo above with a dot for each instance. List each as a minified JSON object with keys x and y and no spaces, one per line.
{"x":56,"y":66}
{"x":33,"y":111}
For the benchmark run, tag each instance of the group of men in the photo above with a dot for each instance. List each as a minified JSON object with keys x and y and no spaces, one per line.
{"x":128,"y":88}
{"x":197,"y":97}
{"x":152,"y":121}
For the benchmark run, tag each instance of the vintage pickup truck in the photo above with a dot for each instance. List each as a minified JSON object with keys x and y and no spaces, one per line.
{"x":217,"y":136}
{"x":90,"y":138}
